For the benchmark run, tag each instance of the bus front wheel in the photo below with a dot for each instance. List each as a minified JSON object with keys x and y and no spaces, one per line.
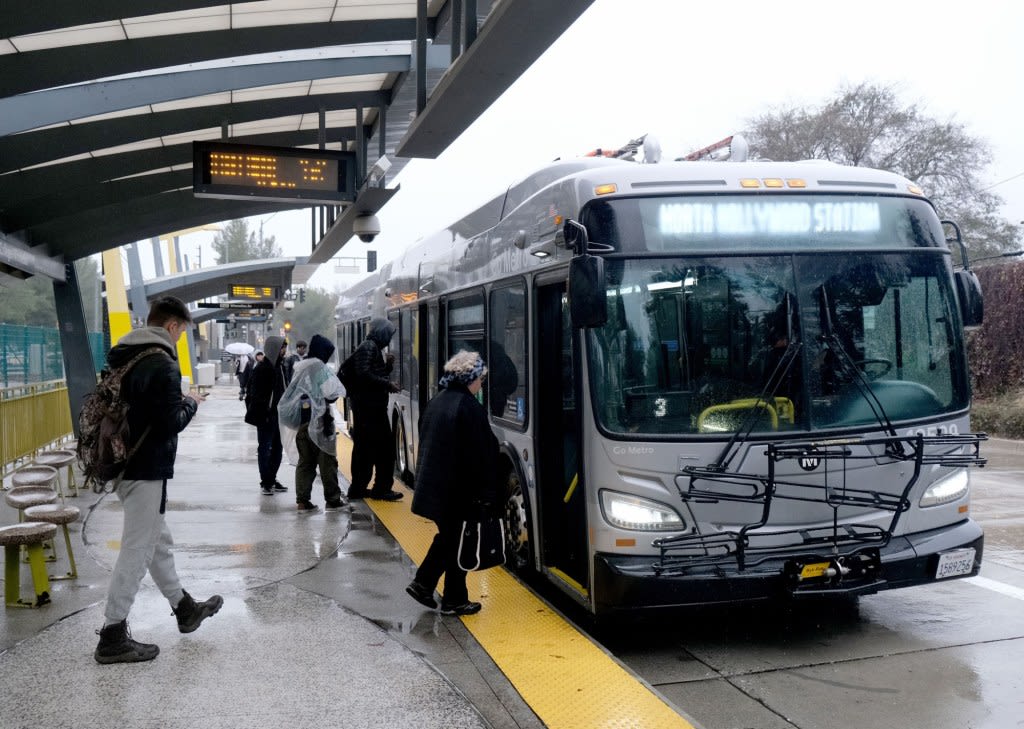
{"x":517,"y":525}
{"x":401,"y":453}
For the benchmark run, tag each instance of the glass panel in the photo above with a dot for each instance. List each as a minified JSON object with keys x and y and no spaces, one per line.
{"x":882,"y":326}
{"x":395,"y":348}
{"x":775,"y":343}
{"x":506,"y":377}
{"x":410,"y":348}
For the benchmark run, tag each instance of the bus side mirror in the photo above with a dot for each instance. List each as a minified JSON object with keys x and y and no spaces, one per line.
{"x":588,"y":302}
{"x":968,"y":293}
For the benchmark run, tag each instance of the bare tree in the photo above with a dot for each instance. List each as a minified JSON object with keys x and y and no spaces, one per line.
{"x":867,"y":126}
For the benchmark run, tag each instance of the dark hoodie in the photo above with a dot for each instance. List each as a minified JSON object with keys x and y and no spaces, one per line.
{"x":321,"y":348}
{"x":152,"y":390}
{"x":372,"y":373}
{"x":266,"y":385}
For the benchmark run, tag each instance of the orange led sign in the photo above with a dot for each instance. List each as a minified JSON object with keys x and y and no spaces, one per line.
{"x":276,"y":174}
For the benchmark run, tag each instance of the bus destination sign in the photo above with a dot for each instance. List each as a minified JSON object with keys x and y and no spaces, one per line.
{"x":233,"y":171}
{"x":254,"y":293}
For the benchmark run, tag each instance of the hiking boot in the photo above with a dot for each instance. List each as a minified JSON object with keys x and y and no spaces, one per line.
{"x":191,"y":613}
{"x":466,"y":608}
{"x":335,"y":505}
{"x":278,"y":486}
{"x":306,"y":507}
{"x":387,"y":495}
{"x":116,"y":646}
{"x":421,"y":594}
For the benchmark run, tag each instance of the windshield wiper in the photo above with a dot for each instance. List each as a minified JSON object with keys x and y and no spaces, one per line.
{"x":766,"y":396}
{"x":847,"y":366}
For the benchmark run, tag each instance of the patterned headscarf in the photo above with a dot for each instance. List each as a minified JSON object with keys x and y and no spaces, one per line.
{"x":463,"y":368}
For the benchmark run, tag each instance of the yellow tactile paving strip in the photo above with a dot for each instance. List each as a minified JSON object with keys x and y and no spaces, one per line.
{"x":568,"y":681}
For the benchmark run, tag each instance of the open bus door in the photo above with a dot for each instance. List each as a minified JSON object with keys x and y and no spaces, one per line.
{"x":561,"y":480}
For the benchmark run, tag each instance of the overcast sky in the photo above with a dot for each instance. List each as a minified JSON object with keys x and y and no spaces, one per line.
{"x":693,"y":73}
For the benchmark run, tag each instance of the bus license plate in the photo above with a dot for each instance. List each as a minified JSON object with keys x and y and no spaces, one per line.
{"x":957,"y":562}
{"x":813,"y":570}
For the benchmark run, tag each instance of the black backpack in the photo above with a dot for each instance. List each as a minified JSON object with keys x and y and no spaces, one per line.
{"x":104,"y":443}
{"x":347,"y":373}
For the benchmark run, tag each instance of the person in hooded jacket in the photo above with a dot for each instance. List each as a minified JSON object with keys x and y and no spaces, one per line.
{"x":308,"y":404}
{"x":373,"y":449}
{"x":266,"y":385}
{"x":456,"y":479}
{"x":157,"y":412}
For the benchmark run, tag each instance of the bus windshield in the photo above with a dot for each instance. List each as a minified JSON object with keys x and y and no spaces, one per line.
{"x":767,"y":343}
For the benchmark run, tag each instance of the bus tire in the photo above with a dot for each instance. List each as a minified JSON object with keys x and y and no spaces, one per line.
{"x":518,"y":556}
{"x":402,"y":471}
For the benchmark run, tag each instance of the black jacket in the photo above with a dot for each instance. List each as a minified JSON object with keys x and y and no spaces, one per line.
{"x":372,"y":383}
{"x":266,"y":385}
{"x":152,"y":389}
{"x":457,"y":459}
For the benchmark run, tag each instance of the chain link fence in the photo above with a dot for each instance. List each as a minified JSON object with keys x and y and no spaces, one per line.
{"x":33,"y":354}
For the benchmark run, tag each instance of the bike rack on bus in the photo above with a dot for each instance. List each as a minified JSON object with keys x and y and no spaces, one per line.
{"x":852,"y":549}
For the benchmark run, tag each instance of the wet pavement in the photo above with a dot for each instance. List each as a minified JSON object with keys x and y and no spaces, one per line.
{"x":316,"y":630}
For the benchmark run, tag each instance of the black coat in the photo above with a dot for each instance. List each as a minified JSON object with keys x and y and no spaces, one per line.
{"x":457,"y":459}
{"x":152,"y":389}
{"x":266,"y":385}
{"x":372,"y":382}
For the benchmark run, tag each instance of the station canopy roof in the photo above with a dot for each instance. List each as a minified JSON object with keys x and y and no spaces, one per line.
{"x":100,"y":102}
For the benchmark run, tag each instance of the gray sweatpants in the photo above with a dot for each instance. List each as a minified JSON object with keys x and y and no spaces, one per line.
{"x":145,"y":545}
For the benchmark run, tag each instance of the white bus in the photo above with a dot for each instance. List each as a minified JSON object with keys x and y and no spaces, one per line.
{"x":712,"y":382}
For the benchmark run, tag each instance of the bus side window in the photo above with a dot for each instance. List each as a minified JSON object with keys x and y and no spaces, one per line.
{"x":507,"y":353}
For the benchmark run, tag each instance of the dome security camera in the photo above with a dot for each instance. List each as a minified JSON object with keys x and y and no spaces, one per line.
{"x":367,"y":227}
{"x":289,"y":305}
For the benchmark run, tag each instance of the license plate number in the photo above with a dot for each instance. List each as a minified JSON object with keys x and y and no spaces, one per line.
{"x":957,"y":562}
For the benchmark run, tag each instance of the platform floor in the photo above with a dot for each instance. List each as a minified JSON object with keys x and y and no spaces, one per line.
{"x":316,"y":629}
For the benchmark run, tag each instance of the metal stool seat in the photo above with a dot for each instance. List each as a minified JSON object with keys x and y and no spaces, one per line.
{"x":58,"y":459}
{"x":60,"y":516}
{"x":31,"y":536}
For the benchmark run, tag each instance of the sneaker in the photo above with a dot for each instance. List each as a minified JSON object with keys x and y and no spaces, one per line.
{"x":421,"y":594}
{"x":116,"y":646}
{"x":306,"y":507}
{"x":466,"y":608}
{"x":387,"y":496}
{"x":267,"y":490}
{"x":278,"y":486}
{"x":191,"y":614}
{"x":335,"y":505}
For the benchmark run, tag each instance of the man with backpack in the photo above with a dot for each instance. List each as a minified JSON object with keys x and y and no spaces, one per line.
{"x":157,"y":412}
{"x":306,"y":414}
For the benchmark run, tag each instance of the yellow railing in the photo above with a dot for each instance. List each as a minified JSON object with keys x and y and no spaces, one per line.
{"x":31,"y":418}
{"x":780,"y":407}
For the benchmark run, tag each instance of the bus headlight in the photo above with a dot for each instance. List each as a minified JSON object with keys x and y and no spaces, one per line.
{"x":632,"y":512}
{"x":947,"y":490}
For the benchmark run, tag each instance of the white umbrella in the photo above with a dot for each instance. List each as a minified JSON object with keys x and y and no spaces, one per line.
{"x":239,"y":348}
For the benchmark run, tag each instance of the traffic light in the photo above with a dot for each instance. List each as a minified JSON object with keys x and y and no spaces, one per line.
{"x":287,"y":326}
{"x":302,"y":296}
